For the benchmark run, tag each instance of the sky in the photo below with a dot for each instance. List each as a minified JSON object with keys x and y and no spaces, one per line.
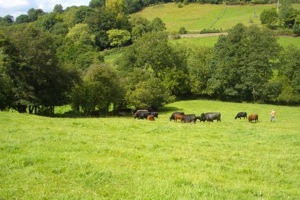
{"x":18,"y":7}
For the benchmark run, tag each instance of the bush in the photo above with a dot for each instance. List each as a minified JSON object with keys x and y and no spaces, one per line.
{"x":182,"y":30}
{"x":210,"y":31}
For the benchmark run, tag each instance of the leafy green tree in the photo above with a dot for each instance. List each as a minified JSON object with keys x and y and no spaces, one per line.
{"x":269,"y":17}
{"x":289,"y":75}
{"x":22,"y":19}
{"x":296,"y":27}
{"x":199,"y":66}
{"x":139,"y":26}
{"x":153,"y":53}
{"x":157,"y":25}
{"x":287,"y":14}
{"x":7,"y":20}
{"x":100,"y":90}
{"x":58,"y":8}
{"x":33,"y":14}
{"x":132,"y":6}
{"x":39,"y":80}
{"x":8,"y":60}
{"x":143,"y":90}
{"x":243,"y":64}
{"x":97,"y":3}
{"x":118,"y":37}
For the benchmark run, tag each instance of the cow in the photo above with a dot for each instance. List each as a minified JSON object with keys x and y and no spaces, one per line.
{"x":253,"y":117}
{"x":241,"y":114}
{"x":155,"y":114}
{"x":210,"y":117}
{"x":173,"y":115}
{"x":141,"y":114}
{"x":179,"y":116}
{"x":190,"y":118}
{"x":150,"y":118}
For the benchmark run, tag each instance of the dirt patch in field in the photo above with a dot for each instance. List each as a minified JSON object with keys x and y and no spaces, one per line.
{"x":201,"y":35}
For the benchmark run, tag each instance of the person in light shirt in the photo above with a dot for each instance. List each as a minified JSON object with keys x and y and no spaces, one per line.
{"x":273,"y":116}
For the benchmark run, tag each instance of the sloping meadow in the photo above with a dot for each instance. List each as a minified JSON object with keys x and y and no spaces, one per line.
{"x":126,"y":158}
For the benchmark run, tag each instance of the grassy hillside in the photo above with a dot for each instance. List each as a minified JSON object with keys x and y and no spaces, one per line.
{"x":123,"y":158}
{"x":196,"y":17}
{"x":211,"y":41}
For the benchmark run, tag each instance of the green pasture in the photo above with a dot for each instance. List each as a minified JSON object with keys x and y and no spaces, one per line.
{"x":126,"y":158}
{"x":196,"y":17}
{"x":212,"y":40}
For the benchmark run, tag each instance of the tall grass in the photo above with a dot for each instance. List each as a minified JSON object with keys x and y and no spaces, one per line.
{"x":124,"y":158}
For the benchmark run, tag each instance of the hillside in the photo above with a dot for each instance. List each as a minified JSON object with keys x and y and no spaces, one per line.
{"x":195,"y":16}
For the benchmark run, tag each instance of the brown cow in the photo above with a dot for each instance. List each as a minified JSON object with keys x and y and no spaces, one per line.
{"x":253,"y":117}
{"x":179,"y":116}
{"x":150,"y":118}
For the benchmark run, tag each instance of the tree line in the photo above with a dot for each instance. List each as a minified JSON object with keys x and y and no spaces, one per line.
{"x":58,"y":59}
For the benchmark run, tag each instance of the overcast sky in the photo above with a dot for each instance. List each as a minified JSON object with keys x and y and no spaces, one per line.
{"x":18,"y":7}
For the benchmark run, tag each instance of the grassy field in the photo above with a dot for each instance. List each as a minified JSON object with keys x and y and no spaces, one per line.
{"x":124,"y":158}
{"x":196,"y":17}
{"x":211,"y":41}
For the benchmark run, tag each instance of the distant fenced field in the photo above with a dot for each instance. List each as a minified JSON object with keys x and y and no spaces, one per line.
{"x":126,"y":158}
{"x":196,"y":17}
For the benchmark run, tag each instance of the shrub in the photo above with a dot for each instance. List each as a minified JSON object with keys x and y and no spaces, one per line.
{"x":182,"y":30}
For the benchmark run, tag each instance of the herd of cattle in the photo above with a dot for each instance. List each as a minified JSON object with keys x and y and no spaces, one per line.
{"x":189,"y":118}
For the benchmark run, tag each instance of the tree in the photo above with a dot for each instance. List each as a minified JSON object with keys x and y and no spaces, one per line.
{"x":58,"y":8}
{"x":7,"y":20}
{"x":97,"y":3}
{"x":139,"y":26}
{"x":118,"y":37}
{"x":269,"y":17}
{"x":199,"y":66}
{"x":287,"y":14}
{"x":8,"y":59}
{"x":143,"y":90}
{"x":157,"y":25}
{"x":289,"y":75}
{"x":296,"y":27}
{"x":100,"y":89}
{"x":38,"y":78}
{"x":243,"y":64}
{"x":22,"y":19}
{"x":33,"y":14}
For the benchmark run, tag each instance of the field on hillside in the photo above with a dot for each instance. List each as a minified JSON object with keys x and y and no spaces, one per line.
{"x":124,"y":158}
{"x":196,"y":17}
{"x":211,"y":41}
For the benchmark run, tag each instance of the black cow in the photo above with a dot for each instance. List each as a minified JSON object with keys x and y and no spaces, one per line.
{"x":141,"y":114}
{"x":190,"y":118}
{"x":155,"y":114}
{"x":210,"y":116}
{"x":241,"y":114}
{"x":173,"y":115}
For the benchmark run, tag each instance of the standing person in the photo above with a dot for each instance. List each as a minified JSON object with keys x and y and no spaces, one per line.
{"x":273,"y":116}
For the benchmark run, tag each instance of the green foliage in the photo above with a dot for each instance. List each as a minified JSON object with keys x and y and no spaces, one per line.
{"x":37,"y":77}
{"x":143,"y":90}
{"x":289,"y":75}
{"x":199,"y":62}
{"x":182,"y":30}
{"x":118,"y":37}
{"x":287,"y":14}
{"x":100,"y":89}
{"x":269,"y":17}
{"x":296,"y":27}
{"x":97,"y":3}
{"x":243,"y":63}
